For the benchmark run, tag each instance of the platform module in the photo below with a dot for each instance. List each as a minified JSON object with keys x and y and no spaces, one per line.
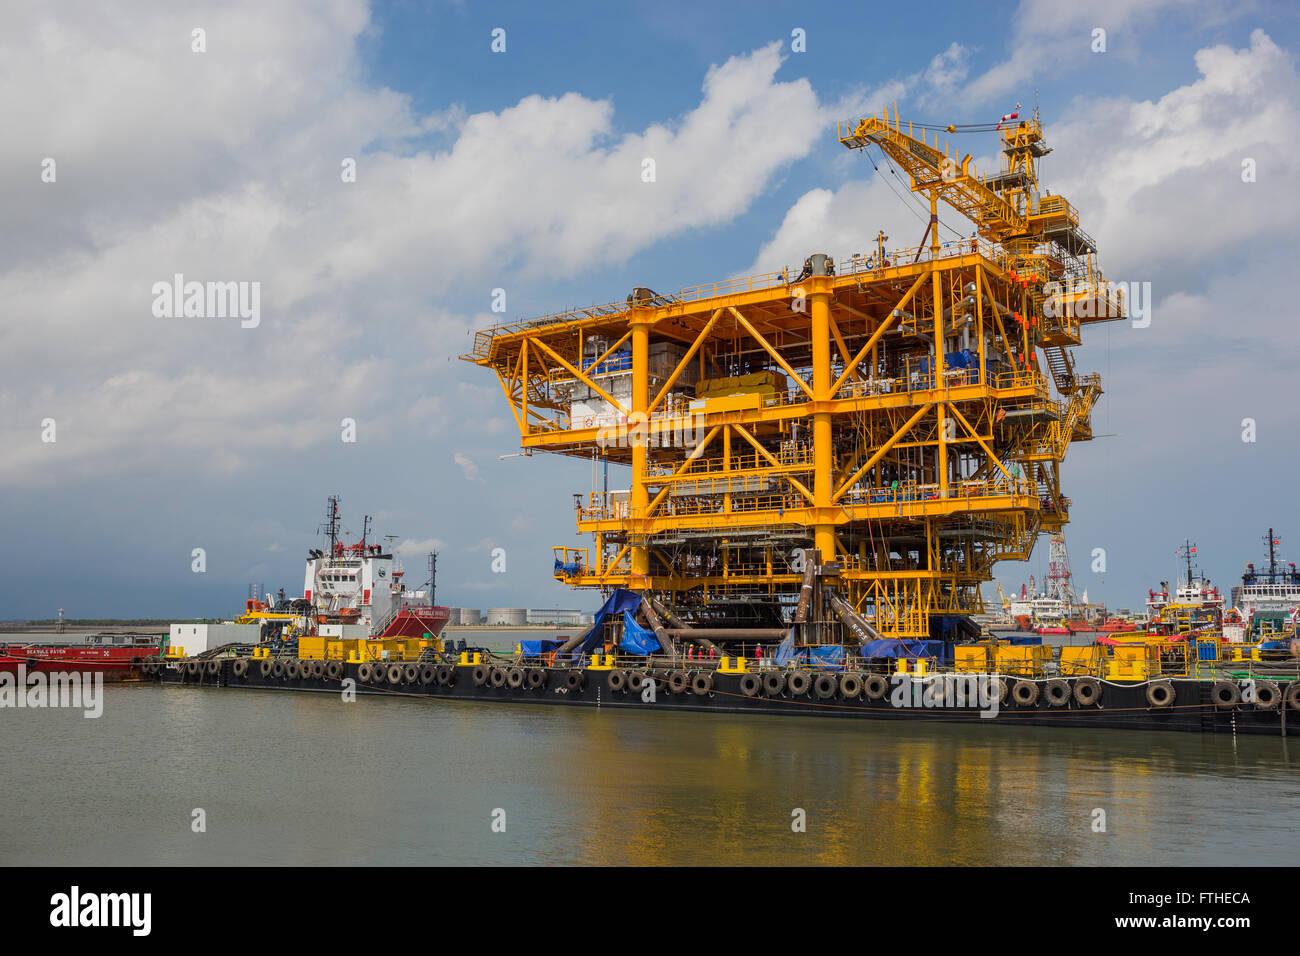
{"x":891,"y":424}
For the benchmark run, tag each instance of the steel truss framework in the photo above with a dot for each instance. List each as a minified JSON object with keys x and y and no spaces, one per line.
{"x":910,"y":468}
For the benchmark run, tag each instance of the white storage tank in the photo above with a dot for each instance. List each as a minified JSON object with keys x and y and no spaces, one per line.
{"x":506,"y":616}
{"x":471,"y":615}
{"x":561,"y":617}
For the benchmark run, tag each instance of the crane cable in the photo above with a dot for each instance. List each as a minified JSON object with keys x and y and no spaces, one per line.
{"x":924,"y":215}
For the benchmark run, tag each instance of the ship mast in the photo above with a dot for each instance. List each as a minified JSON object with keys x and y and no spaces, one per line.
{"x":331,"y":526}
{"x":1186,"y":550}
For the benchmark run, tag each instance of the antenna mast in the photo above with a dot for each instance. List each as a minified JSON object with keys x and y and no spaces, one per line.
{"x":331,"y":527}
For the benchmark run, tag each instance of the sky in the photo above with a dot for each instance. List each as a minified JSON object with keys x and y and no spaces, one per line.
{"x":138,"y":149}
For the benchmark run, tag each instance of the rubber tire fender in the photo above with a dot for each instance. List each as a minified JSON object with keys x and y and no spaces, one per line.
{"x":999,"y":687}
{"x":1087,"y":691}
{"x":1057,"y":692}
{"x":701,"y":683}
{"x":1160,"y":693}
{"x":1293,"y":695}
{"x":825,"y":686}
{"x":616,"y":680}
{"x":1225,"y":694}
{"x":798,"y":683}
{"x":515,"y":678}
{"x":480,"y":675}
{"x":773,"y":683}
{"x":1025,"y":693}
{"x":574,"y":680}
{"x":497,"y":677}
{"x":535,"y":679}
{"x":678,"y":681}
{"x":851,"y":686}
{"x":750,"y":685}
{"x":876,"y":687}
{"x":334,"y":669}
{"x":1274,"y":693}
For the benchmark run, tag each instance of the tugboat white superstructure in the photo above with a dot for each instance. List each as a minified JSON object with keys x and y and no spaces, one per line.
{"x":361,"y":585}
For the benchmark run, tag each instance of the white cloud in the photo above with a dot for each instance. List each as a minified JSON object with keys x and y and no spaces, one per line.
{"x":1158,"y":183}
{"x":947,"y":70}
{"x":422,"y":546}
{"x":1047,"y":35}
{"x":1161,"y":181}
{"x":468,"y":466}
{"x":226,"y":166}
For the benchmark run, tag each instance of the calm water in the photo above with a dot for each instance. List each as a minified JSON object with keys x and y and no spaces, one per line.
{"x":305,"y":778}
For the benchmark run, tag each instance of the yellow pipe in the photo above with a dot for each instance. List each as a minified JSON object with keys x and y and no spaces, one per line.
{"x":695,"y":453}
{"x":823,"y":452}
{"x":580,"y":376}
{"x":803,"y":490}
{"x":770,"y":351}
{"x":875,"y":336}
{"x":987,"y":450}
{"x":881,"y":451}
{"x":640,"y":495}
{"x":686,"y":360}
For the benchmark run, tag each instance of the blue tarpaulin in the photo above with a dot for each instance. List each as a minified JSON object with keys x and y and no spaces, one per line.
{"x":785,"y":652}
{"x":637,"y":639}
{"x":895,"y":648}
{"x":621,"y":600}
{"x":829,"y":656}
{"x":538,"y":647}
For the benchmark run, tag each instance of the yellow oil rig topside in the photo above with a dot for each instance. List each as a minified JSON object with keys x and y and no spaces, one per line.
{"x":884,"y":423}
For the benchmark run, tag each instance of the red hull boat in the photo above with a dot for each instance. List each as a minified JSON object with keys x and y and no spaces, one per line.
{"x":96,"y":655}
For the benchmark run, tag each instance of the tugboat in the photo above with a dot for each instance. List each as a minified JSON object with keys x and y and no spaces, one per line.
{"x":353,"y":591}
{"x":1267,"y":601}
{"x":362,"y":585}
{"x":1196,"y":603}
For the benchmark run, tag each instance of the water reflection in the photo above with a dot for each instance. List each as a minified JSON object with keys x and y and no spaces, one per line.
{"x":307,"y":779}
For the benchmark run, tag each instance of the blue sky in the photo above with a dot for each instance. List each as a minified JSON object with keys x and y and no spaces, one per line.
{"x":479,"y":170}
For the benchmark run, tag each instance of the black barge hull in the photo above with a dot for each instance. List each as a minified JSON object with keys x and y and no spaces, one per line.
{"x":1125,"y":706}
